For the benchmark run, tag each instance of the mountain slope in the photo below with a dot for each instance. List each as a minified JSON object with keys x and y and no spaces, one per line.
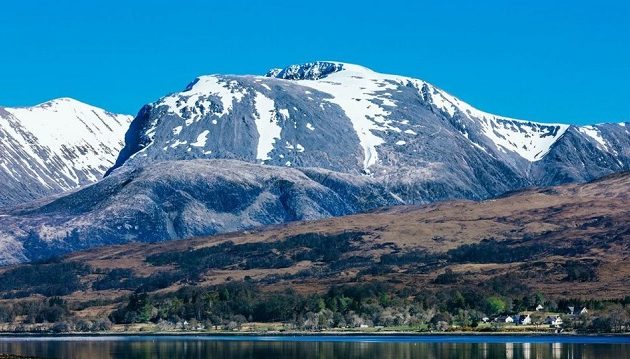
{"x":569,"y":241}
{"x":181,"y":199}
{"x":585,"y":153}
{"x":350,"y":119}
{"x":54,"y":147}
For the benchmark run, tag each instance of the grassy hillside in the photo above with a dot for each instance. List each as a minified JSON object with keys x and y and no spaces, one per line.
{"x":567,"y":244}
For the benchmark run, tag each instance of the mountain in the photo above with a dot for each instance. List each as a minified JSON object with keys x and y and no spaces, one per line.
{"x":566,"y":242}
{"x":306,"y":142}
{"x":424,"y":143}
{"x":54,"y":147}
{"x":181,"y":199}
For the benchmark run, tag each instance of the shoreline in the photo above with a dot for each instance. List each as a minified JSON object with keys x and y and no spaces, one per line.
{"x":333,"y":334}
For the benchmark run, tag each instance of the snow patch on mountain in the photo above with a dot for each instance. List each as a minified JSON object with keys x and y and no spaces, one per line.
{"x":284,"y":113}
{"x":178,"y":143}
{"x":356,"y":90}
{"x":201,"y":139}
{"x":196,"y":98}
{"x":595,"y":134}
{"x":267,"y":125}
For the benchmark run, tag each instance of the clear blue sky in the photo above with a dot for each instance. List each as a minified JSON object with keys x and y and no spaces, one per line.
{"x":565,"y":61}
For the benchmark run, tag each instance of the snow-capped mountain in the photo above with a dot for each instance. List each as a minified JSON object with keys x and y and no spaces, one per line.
{"x":350,"y":119}
{"x":305,"y":142}
{"x":56,"y":146}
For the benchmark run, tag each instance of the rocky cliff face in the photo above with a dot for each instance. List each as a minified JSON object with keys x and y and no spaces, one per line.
{"x":54,"y":147}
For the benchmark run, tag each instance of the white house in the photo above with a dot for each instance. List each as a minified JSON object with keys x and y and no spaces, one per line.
{"x":524,"y":319}
{"x":539,"y":307}
{"x":582,"y":312}
{"x":504,"y":319}
{"x":554,"y":321}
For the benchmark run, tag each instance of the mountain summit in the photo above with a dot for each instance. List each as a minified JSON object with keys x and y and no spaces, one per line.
{"x":54,"y":147}
{"x":309,"y":71}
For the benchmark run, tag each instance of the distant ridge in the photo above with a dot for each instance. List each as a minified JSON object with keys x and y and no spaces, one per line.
{"x":54,"y":147}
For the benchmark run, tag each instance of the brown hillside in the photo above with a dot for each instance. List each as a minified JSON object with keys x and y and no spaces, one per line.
{"x":567,"y":241}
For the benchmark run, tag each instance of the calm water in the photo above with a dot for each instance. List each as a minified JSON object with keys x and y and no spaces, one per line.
{"x":460,"y":347}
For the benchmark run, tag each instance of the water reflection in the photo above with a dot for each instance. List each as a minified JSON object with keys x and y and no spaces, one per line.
{"x":527,"y":350}
{"x":509,"y":350}
{"x":556,"y":349}
{"x":200,"y":348}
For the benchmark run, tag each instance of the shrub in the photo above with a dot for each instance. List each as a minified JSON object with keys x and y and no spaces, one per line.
{"x":448,"y":277}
